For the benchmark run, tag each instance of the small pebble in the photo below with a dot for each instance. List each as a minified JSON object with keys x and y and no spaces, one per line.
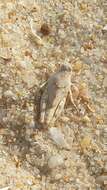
{"x":9,"y":94}
{"x":35,"y":187}
{"x":58,"y":137}
{"x":105,"y":28}
{"x":45,"y":29}
{"x":55,"y":161}
{"x":58,"y":176}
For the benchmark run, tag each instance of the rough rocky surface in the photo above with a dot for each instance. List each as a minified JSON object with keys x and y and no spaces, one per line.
{"x":35,"y":38}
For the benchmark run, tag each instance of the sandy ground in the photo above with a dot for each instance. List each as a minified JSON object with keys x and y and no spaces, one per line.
{"x":36,"y":37}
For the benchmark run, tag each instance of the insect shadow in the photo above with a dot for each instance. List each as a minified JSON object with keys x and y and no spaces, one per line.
{"x":18,"y":139}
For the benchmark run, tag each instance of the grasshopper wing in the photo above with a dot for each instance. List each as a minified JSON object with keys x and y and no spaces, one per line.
{"x":54,"y":97}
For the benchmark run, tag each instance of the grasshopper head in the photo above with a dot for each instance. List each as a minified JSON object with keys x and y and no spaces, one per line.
{"x":65,"y":67}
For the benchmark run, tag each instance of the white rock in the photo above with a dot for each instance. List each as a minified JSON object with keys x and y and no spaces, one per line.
{"x":5,"y":52}
{"x":27,"y":3}
{"x":5,"y":188}
{"x":62,"y":34}
{"x":55,"y":161}
{"x":29,"y":182}
{"x":25,"y":64}
{"x":58,"y":176}
{"x":58,"y":138}
{"x":105,"y":28}
{"x":35,"y":187}
{"x":9,"y":94}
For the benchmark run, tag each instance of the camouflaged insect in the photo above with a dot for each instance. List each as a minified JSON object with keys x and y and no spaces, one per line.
{"x":55,"y":94}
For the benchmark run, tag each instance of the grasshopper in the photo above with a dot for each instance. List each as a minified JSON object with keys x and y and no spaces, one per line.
{"x":56,"y":91}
